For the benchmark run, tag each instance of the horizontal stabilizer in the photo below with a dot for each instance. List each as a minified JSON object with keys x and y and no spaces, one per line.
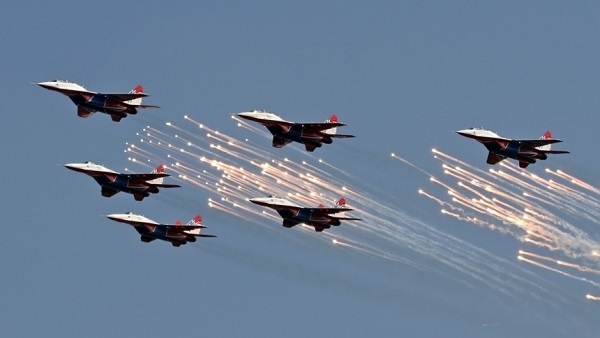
{"x":125,"y":97}
{"x":146,"y":177}
{"x":341,"y":136}
{"x":346,"y":218}
{"x":185,"y":227}
{"x":146,"y":106}
{"x":202,"y":235}
{"x":166,"y":185}
{"x":556,"y":152}
{"x":321,"y":125}
{"x":538,"y":143}
{"x":327,"y":210}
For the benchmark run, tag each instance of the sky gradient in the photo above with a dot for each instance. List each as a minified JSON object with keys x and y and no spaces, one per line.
{"x":402,"y":75}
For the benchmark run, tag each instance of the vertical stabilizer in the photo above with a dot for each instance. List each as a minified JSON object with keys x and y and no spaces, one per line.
{"x":136,"y":102}
{"x":197,"y":220}
{"x":332,"y":119}
{"x":159,"y":170}
{"x":547,"y":135}
{"x":341,"y":203}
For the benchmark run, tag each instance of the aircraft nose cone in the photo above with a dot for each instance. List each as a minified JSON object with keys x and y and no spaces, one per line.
{"x":464,"y":132}
{"x":259,"y":201}
{"x":72,"y":166}
{"x":43,"y":85}
{"x":114,"y":217}
{"x":76,"y":167}
{"x":246,"y":114}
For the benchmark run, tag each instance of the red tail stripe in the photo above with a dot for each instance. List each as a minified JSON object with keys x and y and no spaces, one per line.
{"x":547,"y":135}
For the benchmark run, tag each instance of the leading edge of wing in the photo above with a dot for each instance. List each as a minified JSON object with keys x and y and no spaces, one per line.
{"x":146,"y":177}
{"x":321,"y":125}
{"x":539,"y":142}
{"x":327,"y":210}
{"x":124,"y":96}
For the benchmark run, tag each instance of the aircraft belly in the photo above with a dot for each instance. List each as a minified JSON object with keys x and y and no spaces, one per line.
{"x":295,"y":131}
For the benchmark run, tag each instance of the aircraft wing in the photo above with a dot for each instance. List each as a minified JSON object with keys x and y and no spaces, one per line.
{"x":538,"y":142}
{"x":124,"y":96}
{"x":145,"y":177}
{"x":326,"y":211}
{"x":346,"y":218}
{"x":166,"y":185}
{"x":183,"y":227}
{"x":320,"y":126}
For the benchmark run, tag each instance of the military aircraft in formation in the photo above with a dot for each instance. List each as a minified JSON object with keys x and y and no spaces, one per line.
{"x":116,"y":105}
{"x":177,"y":233}
{"x":112,"y":182}
{"x":312,"y":135}
{"x":523,"y":150}
{"x":320,"y":218}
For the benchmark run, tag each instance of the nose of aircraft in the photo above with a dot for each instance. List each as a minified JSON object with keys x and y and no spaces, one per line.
{"x":115,"y":217}
{"x":47,"y":84}
{"x":260,"y":200}
{"x":74,"y":166}
{"x":465,"y":132}
{"x":247,"y":114}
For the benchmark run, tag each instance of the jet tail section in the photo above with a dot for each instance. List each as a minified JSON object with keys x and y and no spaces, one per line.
{"x":332,"y":119}
{"x":547,"y":135}
{"x":159,"y":170}
{"x":136,"y":102}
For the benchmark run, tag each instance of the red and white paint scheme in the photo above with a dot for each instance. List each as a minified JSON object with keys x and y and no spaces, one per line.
{"x":312,"y":135}
{"x":526,"y":151}
{"x":320,"y":218}
{"x":150,"y":230}
{"x":112,"y":182}
{"x":117,"y":105}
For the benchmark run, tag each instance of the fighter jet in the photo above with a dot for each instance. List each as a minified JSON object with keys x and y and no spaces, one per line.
{"x":87,"y":102}
{"x":312,"y":135}
{"x":320,"y":218}
{"x":524,"y":151}
{"x":140,"y":185}
{"x":149,"y":230}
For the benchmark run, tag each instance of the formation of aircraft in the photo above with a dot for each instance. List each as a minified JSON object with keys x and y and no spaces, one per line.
{"x":320,"y":218}
{"x":177,"y":233}
{"x":112,"y":182}
{"x":312,"y":135}
{"x":116,"y":105}
{"x":523,"y":150}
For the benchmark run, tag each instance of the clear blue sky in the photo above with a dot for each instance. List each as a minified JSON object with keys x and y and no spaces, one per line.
{"x":403,"y":75}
